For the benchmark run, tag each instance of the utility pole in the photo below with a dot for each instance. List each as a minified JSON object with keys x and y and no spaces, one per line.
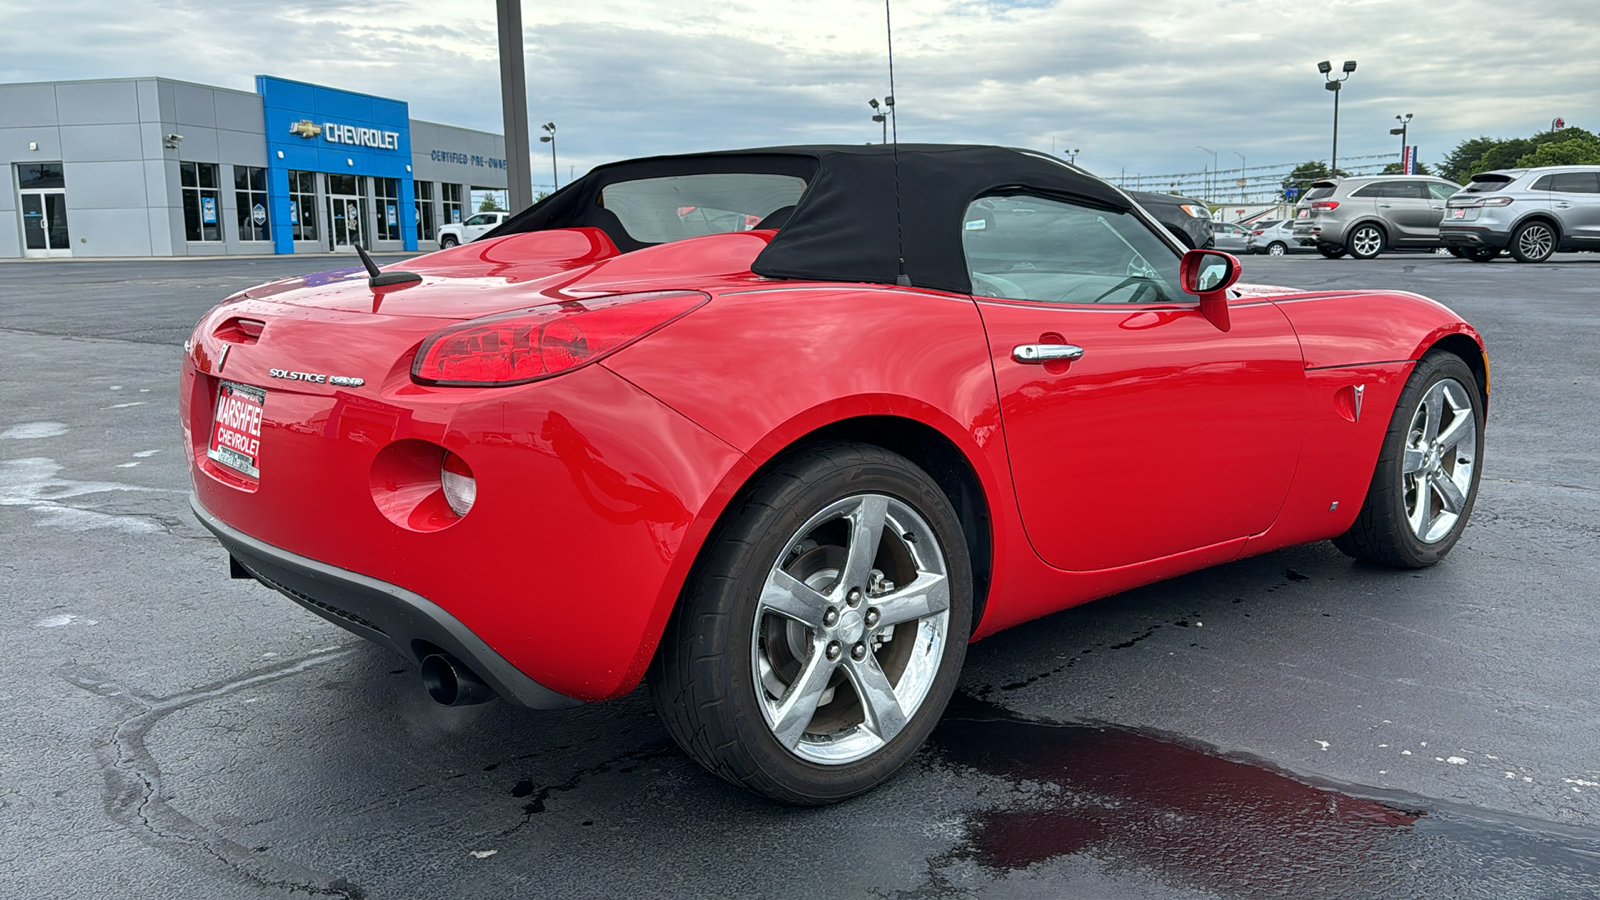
{"x":1404,"y":121}
{"x":514,"y":103}
{"x":550,"y":138}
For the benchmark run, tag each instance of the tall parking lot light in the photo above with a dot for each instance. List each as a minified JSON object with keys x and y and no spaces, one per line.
{"x":1334,"y":84}
{"x":881,"y":116}
{"x":1210,"y":180}
{"x":1404,"y":121}
{"x":551,"y":140}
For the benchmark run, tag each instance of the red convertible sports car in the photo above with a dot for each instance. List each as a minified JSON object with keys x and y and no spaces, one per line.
{"x":780,"y":431}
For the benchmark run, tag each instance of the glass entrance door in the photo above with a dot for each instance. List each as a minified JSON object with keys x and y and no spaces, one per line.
{"x":42,"y":200}
{"x":347,"y":213}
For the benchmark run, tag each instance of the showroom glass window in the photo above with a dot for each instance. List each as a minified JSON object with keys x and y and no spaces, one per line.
{"x":303,"y":205}
{"x":202,"y":201}
{"x":386,"y":191}
{"x":454,"y":212}
{"x":250,"y":200}
{"x":427,"y":228}
{"x":1033,"y":248}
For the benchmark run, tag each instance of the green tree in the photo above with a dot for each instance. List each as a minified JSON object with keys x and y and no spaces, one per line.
{"x":1485,"y":154}
{"x":487,"y":203}
{"x":1579,"y":150}
{"x":1394,"y":169}
{"x":1457,"y":165}
{"x":1304,"y":174}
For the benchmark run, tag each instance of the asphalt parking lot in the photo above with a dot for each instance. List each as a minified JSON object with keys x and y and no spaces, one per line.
{"x":1293,"y":725}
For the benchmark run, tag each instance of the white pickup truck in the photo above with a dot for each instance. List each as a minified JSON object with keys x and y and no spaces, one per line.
{"x":473,"y":228}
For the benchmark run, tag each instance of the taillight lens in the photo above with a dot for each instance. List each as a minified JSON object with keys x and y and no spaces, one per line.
{"x":460,"y":488}
{"x":532,"y":344}
{"x":1324,"y":204}
{"x":1499,"y":201}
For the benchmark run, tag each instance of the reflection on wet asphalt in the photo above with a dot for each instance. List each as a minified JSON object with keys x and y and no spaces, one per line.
{"x":1237,"y":826}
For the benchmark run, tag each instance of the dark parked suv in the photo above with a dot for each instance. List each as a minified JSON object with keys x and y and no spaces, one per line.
{"x":1531,"y":212}
{"x":1188,"y":219}
{"x":1365,"y":216}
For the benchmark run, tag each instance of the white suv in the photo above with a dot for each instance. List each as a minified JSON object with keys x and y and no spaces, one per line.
{"x":474,"y":227}
{"x":1531,"y":212}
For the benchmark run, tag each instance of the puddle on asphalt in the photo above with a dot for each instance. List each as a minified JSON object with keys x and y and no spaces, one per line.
{"x":1238,"y":826}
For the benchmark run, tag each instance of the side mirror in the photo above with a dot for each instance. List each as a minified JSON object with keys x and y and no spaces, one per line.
{"x":1208,"y":274}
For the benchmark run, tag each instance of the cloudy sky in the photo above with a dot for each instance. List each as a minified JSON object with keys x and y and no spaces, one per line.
{"x":1135,"y":85}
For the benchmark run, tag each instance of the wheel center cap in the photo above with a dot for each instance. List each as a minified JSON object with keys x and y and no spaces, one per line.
{"x":851,"y":626}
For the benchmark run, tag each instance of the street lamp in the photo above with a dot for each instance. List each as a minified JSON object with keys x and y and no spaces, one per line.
{"x":1334,"y":84}
{"x":1243,"y":178}
{"x":1404,"y":121}
{"x":881,"y":114}
{"x":1209,"y":190}
{"x":551,"y":140}
{"x":1071,"y":155}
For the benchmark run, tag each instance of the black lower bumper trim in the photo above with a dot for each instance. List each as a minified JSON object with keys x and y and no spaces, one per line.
{"x":378,"y":611}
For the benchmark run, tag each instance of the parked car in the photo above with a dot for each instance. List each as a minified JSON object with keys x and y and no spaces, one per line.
{"x":474,"y":227}
{"x":1229,"y":237}
{"x":1531,"y":212}
{"x":1274,"y":237}
{"x":532,"y":465}
{"x":1188,"y":219}
{"x":1367,"y":215}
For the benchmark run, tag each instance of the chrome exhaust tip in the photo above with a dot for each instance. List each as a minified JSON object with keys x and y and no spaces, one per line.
{"x":450,"y":683}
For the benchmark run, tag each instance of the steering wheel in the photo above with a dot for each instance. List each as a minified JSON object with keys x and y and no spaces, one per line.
{"x":1144,"y":282}
{"x":998,"y":288}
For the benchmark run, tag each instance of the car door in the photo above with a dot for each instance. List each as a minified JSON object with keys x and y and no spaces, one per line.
{"x":1575,"y":199}
{"x":476,"y":225}
{"x":1408,"y":207}
{"x":1439,"y":193}
{"x":1166,"y":434}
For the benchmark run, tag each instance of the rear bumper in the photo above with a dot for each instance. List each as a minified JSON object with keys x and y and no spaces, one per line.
{"x":1474,"y":236}
{"x":378,"y":611}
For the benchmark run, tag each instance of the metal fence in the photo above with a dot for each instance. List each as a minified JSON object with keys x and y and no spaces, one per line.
{"x":1252,"y":185}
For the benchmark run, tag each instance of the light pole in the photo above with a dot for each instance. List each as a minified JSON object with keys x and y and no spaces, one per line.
{"x":551,"y":140}
{"x":881,"y":114}
{"x":1242,"y":177}
{"x":1071,"y":155}
{"x":1334,"y":84}
{"x":1404,"y":121}
{"x":1209,"y":181}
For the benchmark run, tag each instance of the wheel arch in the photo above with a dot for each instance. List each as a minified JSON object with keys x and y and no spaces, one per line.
{"x":1472,"y":353}
{"x":1376,"y":222}
{"x":1545,"y":217}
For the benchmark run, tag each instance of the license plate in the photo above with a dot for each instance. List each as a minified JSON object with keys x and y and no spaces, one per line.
{"x":1303,"y":214}
{"x":1458,"y":214}
{"x":236,"y":428}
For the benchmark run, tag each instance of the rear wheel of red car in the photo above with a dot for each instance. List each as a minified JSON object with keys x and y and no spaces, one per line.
{"x":1366,"y":241}
{"x":1533,"y":242}
{"x":1427,"y":475}
{"x":821,"y":636}
{"x":1331,"y":251}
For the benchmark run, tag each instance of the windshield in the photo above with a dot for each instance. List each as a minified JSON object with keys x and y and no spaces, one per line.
{"x":657,"y":210}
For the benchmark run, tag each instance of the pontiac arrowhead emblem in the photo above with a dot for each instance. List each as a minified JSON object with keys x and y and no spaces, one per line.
{"x":305,"y":128}
{"x":1360,"y":390}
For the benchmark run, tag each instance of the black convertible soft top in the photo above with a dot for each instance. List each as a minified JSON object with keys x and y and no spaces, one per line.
{"x":844,"y":228}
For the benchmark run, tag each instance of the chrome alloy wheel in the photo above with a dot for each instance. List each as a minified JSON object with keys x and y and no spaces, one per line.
{"x":1441,"y":451}
{"x":1276,"y":249}
{"x":850,"y":629}
{"x":1366,"y":242}
{"x":1536,"y":241}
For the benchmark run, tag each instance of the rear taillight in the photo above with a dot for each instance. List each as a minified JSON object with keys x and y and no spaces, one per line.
{"x":1325,"y":204}
{"x":1257,"y":233}
{"x":1499,"y":201}
{"x":533,"y":344}
{"x":460,"y":488}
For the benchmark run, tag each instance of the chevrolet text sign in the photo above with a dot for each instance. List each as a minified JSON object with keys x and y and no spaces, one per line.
{"x":361,"y":137}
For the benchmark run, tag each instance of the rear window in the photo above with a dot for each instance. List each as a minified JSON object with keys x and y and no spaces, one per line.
{"x":1264,"y":224}
{"x":1488,"y":184}
{"x":658,"y":210}
{"x":1318,"y":191}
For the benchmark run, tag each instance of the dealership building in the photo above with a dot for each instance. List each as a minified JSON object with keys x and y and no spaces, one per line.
{"x":155,"y":167}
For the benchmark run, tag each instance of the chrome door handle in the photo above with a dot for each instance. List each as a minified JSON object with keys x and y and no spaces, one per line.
{"x":1385,"y":205}
{"x":1041,"y":353}
{"x":1563,"y":206}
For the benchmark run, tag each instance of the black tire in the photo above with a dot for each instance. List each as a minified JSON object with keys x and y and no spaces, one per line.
{"x":1533,"y":242}
{"x":448,"y":241}
{"x":1366,"y":241}
{"x":1382,"y":533}
{"x":1457,"y":252}
{"x":1331,"y":251}
{"x":1480,"y":254}
{"x":705,"y":679}
{"x":1277,"y":248}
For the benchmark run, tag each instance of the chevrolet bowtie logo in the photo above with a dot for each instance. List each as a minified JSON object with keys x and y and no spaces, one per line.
{"x":305,"y":128}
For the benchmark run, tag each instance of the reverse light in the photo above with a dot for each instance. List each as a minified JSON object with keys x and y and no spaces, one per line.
{"x":1325,"y":204}
{"x":460,"y":487}
{"x":533,"y":344}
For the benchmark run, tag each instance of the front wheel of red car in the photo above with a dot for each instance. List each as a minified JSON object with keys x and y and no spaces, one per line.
{"x":821,"y":635}
{"x":1426,"y":480}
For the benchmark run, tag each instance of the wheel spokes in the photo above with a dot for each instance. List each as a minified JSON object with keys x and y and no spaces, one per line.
{"x":1414,"y":460}
{"x":866,"y":530}
{"x":1433,"y":411}
{"x":1452,"y":500}
{"x":878,"y":699}
{"x":800,"y":701}
{"x":928,"y":595}
{"x":1462,"y":429}
{"x":789,"y":596}
{"x":1421,"y":514}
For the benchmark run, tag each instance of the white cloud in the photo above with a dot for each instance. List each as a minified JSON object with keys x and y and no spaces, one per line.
{"x":1132,"y":83}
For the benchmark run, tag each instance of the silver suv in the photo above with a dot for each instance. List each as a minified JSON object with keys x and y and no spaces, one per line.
{"x":1367,"y":215}
{"x":1531,"y":212}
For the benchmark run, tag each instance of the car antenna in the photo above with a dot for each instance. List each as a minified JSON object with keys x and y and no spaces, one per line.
{"x":900,"y":277}
{"x":377,"y":278}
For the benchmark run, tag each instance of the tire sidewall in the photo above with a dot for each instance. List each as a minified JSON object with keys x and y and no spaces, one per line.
{"x":1516,"y":242}
{"x":1350,"y":244}
{"x":1430,"y":371}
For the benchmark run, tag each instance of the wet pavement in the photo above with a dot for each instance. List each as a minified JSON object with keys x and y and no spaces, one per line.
{"x":1290,"y":725}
